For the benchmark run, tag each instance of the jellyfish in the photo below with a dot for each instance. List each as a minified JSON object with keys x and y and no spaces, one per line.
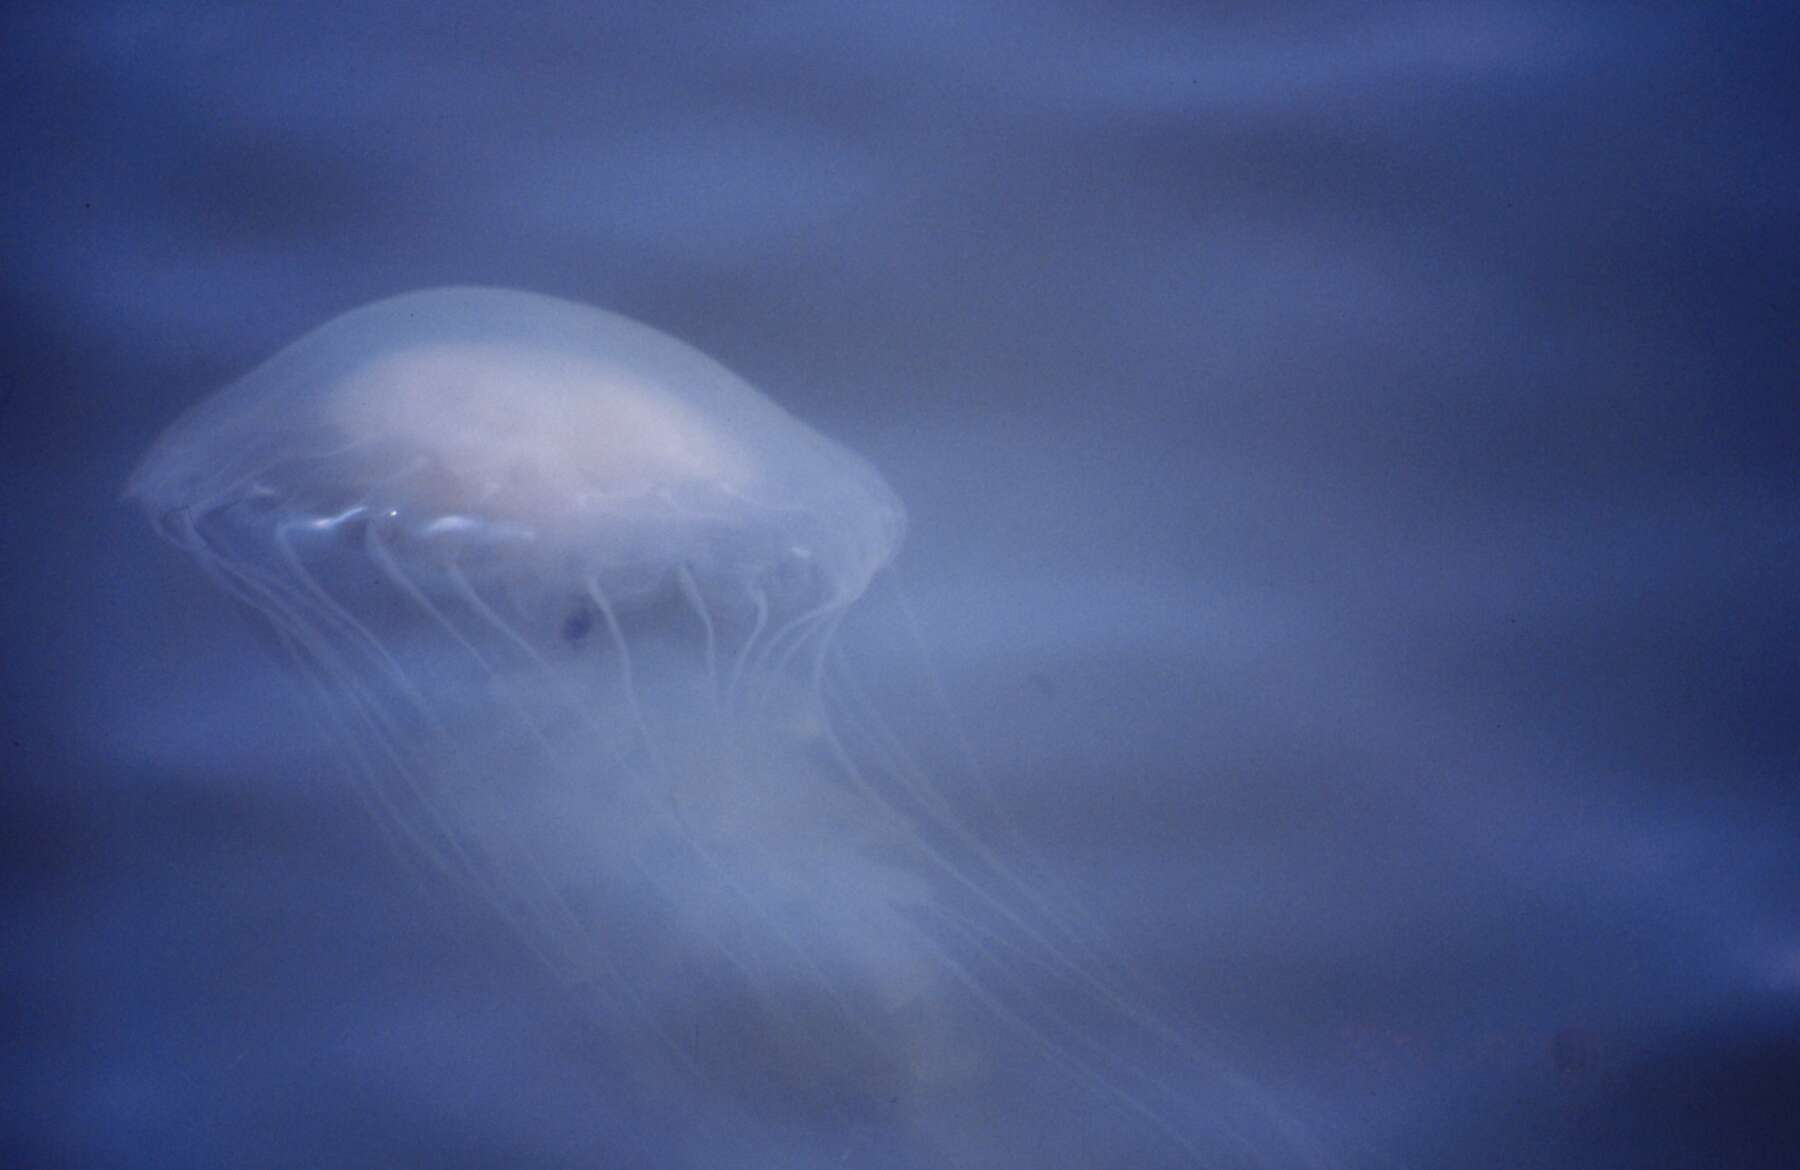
{"x":575,"y":603}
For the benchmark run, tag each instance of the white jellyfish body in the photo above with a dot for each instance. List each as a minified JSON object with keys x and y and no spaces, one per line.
{"x":569,"y":592}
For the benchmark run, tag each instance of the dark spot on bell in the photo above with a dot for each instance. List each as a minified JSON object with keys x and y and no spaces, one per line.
{"x":577,"y":625}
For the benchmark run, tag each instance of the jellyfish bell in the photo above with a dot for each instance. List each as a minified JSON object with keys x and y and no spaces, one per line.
{"x":570,"y":594}
{"x":468,"y":417}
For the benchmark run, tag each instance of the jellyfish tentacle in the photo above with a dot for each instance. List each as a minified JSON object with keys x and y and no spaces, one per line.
{"x":915,"y":780}
{"x":690,"y":591}
{"x":734,"y":694}
{"x":1099,"y":978}
{"x":1042,"y":874}
{"x":651,"y":880}
{"x":1069,"y":1061}
{"x":378,"y":552}
{"x":243,"y":586}
{"x":626,"y":677}
{"x":503,"y":892}
{"x":572,"y":927}
{"x":706,"y":855}
{"x":820,"y":620}
{"x":766,"y":665}
{"x":980,"y":889}
{"x":445,"y":849}
{"x":685,"y":831}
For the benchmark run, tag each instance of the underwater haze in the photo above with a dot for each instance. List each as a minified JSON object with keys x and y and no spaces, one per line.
{"x":1333,"y":704}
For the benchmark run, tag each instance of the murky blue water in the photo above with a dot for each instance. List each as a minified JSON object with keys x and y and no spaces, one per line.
{"x":1350,"y":453}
